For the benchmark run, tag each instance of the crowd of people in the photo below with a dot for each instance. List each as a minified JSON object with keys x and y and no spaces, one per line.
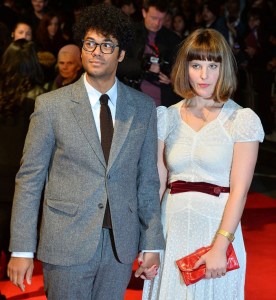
{"x":75,"y":67}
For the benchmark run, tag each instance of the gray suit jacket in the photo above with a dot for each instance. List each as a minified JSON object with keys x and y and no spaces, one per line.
{"x":62,"y":148}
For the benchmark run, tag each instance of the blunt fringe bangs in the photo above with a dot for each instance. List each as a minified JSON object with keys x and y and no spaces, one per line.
{"x":204,"y":48}
{"x":207,"y":45}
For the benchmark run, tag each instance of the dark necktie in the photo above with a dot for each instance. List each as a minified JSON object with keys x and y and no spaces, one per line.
{"x":106,"y":126}
{"x":106,"y":140}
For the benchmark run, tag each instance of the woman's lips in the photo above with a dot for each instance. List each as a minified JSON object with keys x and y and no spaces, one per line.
{"x":203,"y":85}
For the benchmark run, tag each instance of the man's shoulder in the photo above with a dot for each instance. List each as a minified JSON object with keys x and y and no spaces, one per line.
{"x":63,"y":92}
{"x":134,"y":95}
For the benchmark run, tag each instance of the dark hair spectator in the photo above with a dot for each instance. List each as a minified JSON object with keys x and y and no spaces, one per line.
{"x":8,"y":15}
{"x":211,"y":17}
{"x":20,"y":83}
{"x":168,"y":20}
{"x":20,"y":74}
{"x":22,"y":30}
{"x":160,"y":5}
{"x":130,"y":8}
{"x":180,"y":25}
{"x":35,"y":13}
{"x":234,"y":22}
{"x":49,"y":36}
{"x":4,"y":38}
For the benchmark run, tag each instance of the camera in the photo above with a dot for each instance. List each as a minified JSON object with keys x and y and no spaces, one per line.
{"x":152,"y":77}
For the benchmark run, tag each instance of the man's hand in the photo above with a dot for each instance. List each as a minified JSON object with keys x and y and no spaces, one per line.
{"x":164,"y":78}
{"x":20,"y":268}
{"x":155,"y":68}
{"x":149,"y":263}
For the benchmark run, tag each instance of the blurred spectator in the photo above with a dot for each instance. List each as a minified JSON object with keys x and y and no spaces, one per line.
{"x":271,"y":136}
{"x":22,"y":30}
{"x":211,"y":17}
{"x":236,"y":26}
{"x":69,"y":67}
{"x":147,"y":65}
{"x":129,"y":7}
{"x":48,"y":35}
{"x":8,"y":15}
{"x":4,"y":38}
{"x":257,"y":49}
{"x":180,"y":26}
{"x":47,"y":61}
{"x":34,"y":15}
{"x":20,"y":82}
{"x":168,"y":20}
{"x":256,"y":38}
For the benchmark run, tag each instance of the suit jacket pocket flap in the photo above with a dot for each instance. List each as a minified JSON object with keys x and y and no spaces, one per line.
{"x":66,"y":207}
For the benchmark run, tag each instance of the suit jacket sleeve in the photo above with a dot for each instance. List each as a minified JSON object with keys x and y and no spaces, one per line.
{"x":148,"y":191}
{"x":30,"y":180}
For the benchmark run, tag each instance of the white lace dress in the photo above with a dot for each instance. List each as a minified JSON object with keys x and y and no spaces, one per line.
{"x":191,"y":219}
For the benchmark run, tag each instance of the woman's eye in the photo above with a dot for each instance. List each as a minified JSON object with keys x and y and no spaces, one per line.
{"x":195,"y":66}
{"x":213,"y":66}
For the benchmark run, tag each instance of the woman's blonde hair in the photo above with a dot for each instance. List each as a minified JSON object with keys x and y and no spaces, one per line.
{"x":210,"y":45}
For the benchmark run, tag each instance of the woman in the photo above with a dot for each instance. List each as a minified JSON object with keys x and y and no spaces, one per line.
{"x":205,"y":138}
{"x":180,"y":25}
{"x":21,"y":79}
{"x":22,"y":30}
{"x":49,"y":36}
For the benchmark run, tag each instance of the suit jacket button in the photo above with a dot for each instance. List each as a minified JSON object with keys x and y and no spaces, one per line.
{"x":108,"y":176}
{"x":100,"y":205}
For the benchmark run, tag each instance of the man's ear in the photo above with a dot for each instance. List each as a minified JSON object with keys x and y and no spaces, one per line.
{"x":144,"y":13}
{"x":121,"y":55}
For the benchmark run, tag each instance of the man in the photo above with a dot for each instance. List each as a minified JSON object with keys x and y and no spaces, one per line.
{"x":99,"y":210}
{"x":34,"y":15}
{"x":148,"y":64}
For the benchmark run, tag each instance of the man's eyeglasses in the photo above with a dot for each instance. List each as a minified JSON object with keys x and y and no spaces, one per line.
{"x":106,"y":47}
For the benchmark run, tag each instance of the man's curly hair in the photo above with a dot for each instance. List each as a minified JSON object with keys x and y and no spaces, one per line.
{"x":106,"y":20}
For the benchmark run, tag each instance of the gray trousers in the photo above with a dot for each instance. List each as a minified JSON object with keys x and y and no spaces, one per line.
{"x":102,"y":278}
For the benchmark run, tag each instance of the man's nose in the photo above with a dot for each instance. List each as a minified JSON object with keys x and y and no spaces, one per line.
{"x":97,"y":50}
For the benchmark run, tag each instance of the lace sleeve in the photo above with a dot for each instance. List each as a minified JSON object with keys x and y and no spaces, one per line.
{"x":162,"y":122}
{"x":248,"y":127}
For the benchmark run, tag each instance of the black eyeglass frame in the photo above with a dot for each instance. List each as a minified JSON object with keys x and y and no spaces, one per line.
{"x":113,"y":46}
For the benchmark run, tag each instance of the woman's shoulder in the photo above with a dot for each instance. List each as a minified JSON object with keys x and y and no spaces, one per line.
{"x":241,"y":112}
{"x":163,"y":110}
{"x":246,"y":124}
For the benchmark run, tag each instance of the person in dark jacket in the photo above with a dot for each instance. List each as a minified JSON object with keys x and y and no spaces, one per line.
{"x":148,"y":63}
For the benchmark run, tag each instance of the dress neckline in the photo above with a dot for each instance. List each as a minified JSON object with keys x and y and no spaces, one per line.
{"x":206,"y":125}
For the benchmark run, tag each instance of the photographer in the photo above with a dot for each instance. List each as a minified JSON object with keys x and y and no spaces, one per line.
{"x":148,"y":63}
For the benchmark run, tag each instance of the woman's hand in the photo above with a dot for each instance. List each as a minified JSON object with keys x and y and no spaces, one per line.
{"x":215,"y":261}
{"x":148,"y":273}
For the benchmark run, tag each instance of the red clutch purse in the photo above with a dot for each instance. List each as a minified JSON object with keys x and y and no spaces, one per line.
{"x":186,"y":263}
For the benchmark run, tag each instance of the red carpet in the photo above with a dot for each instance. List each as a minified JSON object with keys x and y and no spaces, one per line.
{"x":259,"y":227}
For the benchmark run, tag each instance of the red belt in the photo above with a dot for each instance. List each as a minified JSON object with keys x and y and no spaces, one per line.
{"x":203,"y":187}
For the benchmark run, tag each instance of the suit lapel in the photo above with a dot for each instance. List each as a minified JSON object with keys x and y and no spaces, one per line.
{"x":123,"y":120}
{"x":81,"y":109}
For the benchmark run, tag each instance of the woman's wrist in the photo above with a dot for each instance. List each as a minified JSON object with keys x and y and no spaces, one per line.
{"x":230,"y":236}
